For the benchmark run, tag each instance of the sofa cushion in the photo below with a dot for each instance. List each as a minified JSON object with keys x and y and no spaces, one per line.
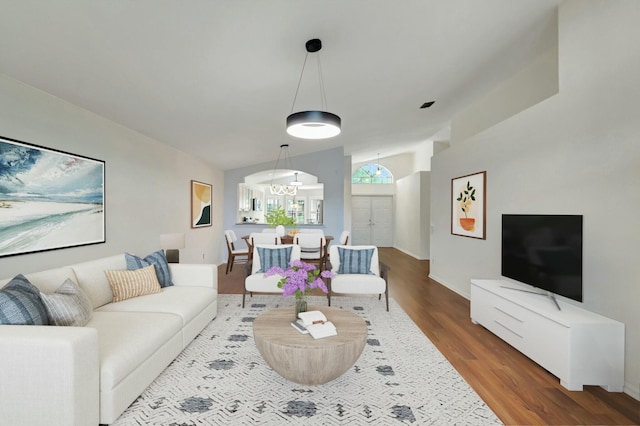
{"x":186,"y":302}
{"x":270,"y":257}
{"x":126,"y":284}
{"x":157,"y":259}
{"x":20,"y":303}
{"x":68,"y":306}
{"x":91,"y":278}
{"x":128,"y":339}
{"x":355,"y":261}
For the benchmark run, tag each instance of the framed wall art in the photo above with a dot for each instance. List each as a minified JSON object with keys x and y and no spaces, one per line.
{"x":468,"y":205}
{"x":200,"y":204}
{"x":49,"y":199}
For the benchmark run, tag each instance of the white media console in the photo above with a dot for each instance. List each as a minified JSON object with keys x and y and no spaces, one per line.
{"x":573,"y":344}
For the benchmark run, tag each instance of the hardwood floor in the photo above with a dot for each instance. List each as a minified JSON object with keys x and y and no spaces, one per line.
{"x":519,"y":391}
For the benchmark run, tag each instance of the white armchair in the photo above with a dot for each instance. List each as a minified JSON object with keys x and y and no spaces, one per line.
{"x":264,"y":257}
{"x":357,"y":270}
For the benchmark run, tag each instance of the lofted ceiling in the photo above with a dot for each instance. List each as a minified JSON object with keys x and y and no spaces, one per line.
{"x":217,"y":78}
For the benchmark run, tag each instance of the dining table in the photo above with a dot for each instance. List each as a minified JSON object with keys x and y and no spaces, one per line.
{"x":286,"y":239}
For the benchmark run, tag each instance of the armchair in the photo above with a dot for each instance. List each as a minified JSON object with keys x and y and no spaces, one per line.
{"x":357,"y":270}
{"x":264,"y":257}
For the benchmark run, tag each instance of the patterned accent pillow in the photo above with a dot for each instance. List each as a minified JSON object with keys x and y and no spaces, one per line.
{"x":355,"y":261}
{"x":69,"y":305}
{"x":158,"y":260}
{"x":20,"y":303}
{"x":270,"y":257}
{"x":127,"y":284}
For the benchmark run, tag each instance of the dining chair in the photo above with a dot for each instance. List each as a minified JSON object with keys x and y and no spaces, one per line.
{"x":262,"y":238}
{"x":232,"y":251}
{"x":357,"y":270}
{"x":264,"y":257}
{"x":312,"y":248}
{"x":344,"y":238}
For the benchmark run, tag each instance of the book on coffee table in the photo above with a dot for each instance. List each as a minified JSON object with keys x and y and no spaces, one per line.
{"x":298,"y":325}
{"x":320,"y":330}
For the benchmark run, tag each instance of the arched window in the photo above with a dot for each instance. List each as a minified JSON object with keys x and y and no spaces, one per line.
{"x":372,"y":173}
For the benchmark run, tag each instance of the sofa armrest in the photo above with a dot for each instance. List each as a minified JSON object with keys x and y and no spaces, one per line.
{"x":49,"y":375}
{"x":194,"y":274}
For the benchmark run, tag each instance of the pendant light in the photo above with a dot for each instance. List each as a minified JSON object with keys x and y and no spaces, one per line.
{"x":313,"y":124}
{"x":378,"y":171}
{"x":283,"y":189}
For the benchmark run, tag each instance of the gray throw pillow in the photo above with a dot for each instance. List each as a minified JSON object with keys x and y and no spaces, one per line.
{"x":159,"y":262}
{"x":69,"y":305}
{"x":20,"y":303}
{"x":270,"y":257}
{"x":355,"y":261}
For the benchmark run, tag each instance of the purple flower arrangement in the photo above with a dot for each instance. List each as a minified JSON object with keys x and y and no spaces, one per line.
{"x":299,"y":278}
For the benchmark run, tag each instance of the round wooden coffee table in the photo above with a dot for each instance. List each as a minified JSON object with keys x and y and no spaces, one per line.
{"x":303,"y":359}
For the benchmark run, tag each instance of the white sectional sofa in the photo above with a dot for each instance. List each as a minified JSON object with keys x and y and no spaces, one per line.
{"x":54,"y":375}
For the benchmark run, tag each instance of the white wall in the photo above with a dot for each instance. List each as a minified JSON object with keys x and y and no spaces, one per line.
{"x":576,"y":152}
{"x":411,"y":228}
{"x":147,"y":189}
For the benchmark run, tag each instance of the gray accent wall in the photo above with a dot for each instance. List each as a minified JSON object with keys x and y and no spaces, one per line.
{"x":328,"y":166}
{"x":577,"y":152}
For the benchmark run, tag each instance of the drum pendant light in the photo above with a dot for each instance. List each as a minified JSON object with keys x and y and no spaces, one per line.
{"x":313,"y":124}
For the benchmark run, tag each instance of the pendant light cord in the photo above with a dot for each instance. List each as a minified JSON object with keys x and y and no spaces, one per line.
{"x":299,"y":81}
{"x":323,"y":96}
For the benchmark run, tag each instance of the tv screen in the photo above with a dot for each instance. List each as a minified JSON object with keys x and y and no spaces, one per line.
{"x":544,"y":251}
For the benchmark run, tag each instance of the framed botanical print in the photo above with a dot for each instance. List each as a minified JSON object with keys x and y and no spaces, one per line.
{"x":49,"y":199}
{"x":468,"y":205}
{"x":200,"y":204}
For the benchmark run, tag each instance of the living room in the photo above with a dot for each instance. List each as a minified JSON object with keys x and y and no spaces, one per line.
{"x":565,"y":148}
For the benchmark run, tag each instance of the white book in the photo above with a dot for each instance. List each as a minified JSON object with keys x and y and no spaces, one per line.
{"x":312,"y":317}
{"x":320,"y":330}
{"x":298,"y":325}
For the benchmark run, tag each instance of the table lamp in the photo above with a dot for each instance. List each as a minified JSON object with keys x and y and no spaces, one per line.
{"x":172,"y":243}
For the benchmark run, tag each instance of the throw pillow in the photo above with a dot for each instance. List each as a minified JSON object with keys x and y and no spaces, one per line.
{"x":127,"y":284}
{"x":69,"y":305}
{"x":20,"y":303}
{"x":270,"y":257}
{"x":159,"y":262}
{"x":355,"y":261}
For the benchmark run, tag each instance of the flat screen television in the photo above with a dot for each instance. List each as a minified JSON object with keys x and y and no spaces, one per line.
{"x":544,"y":251}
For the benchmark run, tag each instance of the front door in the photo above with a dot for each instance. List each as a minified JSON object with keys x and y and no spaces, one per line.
{"x":372,"y":220}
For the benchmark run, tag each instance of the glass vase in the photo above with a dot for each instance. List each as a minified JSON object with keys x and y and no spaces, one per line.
{"x":301,"y":305}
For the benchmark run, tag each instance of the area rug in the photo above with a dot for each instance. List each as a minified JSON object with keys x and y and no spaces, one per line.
{"x":221,"y":379}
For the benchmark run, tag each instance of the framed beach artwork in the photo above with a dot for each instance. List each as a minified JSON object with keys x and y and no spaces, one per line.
{"x":468,"y":205}
{"x":49,"y":199}
{"x":200,"y":204}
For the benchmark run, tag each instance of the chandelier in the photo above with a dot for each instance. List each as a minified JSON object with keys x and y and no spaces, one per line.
{"x":280,"y":189}
{"x":313,"y":124}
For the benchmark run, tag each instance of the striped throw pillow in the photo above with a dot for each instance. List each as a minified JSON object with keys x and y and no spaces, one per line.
{"x":355,"y":261}
{"x":270,"y":257}
{"x":127,"y":284}
{"x":20,"y":303}
{"x":158,"y":260}
{"x":68,"y":306}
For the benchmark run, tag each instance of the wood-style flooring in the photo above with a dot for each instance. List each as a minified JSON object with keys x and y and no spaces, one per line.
{"x":518,"y":390}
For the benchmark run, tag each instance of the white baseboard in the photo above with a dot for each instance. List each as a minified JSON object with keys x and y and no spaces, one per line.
{"x":415,"y":256}
{"x":449,"y":286}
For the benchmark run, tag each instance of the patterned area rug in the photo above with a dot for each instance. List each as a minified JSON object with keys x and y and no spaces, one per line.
{"x":221,"y":379}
